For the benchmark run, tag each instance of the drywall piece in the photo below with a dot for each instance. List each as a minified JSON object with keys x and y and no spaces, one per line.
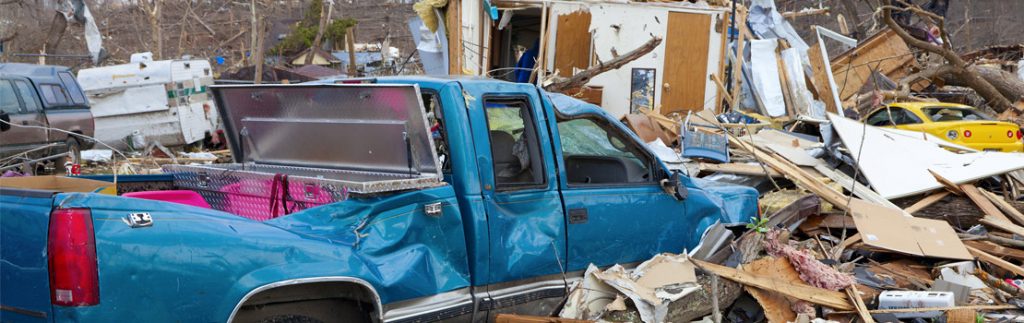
{"x":886,"y":228}
{"x":654,"y":284}
{"x":588,"y":298}
{"x":929,"y":138}
{"x":950,"y":275}
{"x":766,"y":76}
{"x":897,"y":166}
{"x":801,"y":96}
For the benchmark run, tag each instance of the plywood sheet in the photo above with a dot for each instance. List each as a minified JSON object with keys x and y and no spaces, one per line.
{"x":572,"y":42}
{"x":885,"y":51}
{"x":820,"y":81}
{"x":777,"y":307}
{"x":686,"y":62}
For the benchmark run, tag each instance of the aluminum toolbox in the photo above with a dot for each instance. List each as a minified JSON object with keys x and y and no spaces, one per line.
{"x":314,"y":144}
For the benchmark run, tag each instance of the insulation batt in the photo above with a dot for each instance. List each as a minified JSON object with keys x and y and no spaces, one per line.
{"x":811,"y":270}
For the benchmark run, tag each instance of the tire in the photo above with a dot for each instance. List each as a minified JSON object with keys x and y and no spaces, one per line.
{"x":290,"y":318}
{"x":74,"y":150}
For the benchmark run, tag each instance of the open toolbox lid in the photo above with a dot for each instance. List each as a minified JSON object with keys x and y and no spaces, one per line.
{"x":380,"y":128}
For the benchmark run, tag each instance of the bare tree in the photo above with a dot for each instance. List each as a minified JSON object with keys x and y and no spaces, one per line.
{"x":152,"y":9}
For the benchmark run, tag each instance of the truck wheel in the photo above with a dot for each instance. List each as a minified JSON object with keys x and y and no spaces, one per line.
{"x":290,"y":318}
{"x":74,"y":150}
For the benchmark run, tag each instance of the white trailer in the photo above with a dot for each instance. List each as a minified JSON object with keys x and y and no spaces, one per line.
{"x":163,"y":101}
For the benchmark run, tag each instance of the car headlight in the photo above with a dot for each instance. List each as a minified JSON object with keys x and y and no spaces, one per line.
{"x":952,"y":134}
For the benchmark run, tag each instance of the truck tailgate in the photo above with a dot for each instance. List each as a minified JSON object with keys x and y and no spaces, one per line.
{"x":24,"y":219}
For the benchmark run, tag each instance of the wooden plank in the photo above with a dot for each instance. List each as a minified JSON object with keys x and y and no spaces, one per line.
{"x":857,"y":188}
{"x":737,"y":68}
{"x":1005,"y":206}
{"x":453,"y":24}
{"x":516,"y":318}
{"x":1003,"y":225}
{"x":686,"y":67}
{"x":982,"y":202}
{"x":926,"y":201}
{"x":952,"y":187}
{"x":723,"y":43}
{"x":996,"y":249}
{"x":862,"y":310}
{"x":572,"y":42}
{"x":820,"y":80}
{"x":739,"y":169}
{"x":996,"y":261}
{"x":942,"y":309}
{"x":820,"y":296}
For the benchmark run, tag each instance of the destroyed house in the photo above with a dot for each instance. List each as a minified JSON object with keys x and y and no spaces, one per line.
{"x":506,"y":39}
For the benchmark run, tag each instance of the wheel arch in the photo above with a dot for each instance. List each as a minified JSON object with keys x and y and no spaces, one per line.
{"x":313,"y":288}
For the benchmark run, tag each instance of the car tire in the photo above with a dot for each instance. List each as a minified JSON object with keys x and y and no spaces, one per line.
{"x":290,"y":318}
{"x":74,"y":150}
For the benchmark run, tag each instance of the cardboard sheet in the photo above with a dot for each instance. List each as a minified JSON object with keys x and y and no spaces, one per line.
{"x":59,"y":184}
{"x":897,"y":165}
{"x":887,"y":228}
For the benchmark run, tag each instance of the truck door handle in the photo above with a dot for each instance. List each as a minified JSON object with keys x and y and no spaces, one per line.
{"x":578,"y":216}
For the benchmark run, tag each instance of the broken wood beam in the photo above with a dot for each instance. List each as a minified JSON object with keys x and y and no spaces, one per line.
{"x":1005,"y":206}
{"x":737,"y":168}
{"x":983,"y":203}
{"x":516,"y":318}
{"x":996,"y":261}
{"x":820,"y":296}
{"x":581,"y":78}
{"x":926,"y":201}
{"x":1003,"y":225}
{"x":930,"y":309}
{"x":996,"y":250}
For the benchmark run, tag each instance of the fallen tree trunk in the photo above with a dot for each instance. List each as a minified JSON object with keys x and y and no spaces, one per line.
{"x":1006,"y":83}
{"x":581,"y":78}
{"x":971,"y":78}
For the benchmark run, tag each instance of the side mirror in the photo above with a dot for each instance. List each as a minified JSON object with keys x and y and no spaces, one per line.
{"x":5,"y":121}
{"x":674,"y":186}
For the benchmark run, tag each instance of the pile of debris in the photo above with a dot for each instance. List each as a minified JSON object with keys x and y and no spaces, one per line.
{"x":857,"y":223}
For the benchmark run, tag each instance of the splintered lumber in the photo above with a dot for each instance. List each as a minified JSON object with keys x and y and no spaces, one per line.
{"x":1002,"y":204}
{"x":833,"y":299}
{"x":982,"y":202}
{"x":862,"y":310}
{"x":737,"y":168}
{"x":1003,"y":225}
{"x":996,"y":261}
{"x":583,"y":77}
{"x":858,"y":189}
{"x":996,"y":249}
{"x":925,"y":202}
{"x":795,"y":173}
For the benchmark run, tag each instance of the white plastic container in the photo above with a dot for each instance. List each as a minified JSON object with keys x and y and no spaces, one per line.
{"x":913,"y":299}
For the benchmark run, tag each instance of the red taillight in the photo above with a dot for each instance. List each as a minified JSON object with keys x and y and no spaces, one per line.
{"x":74,"y":278}
{"x":1020,"y":134}
{"x":967,"y":133}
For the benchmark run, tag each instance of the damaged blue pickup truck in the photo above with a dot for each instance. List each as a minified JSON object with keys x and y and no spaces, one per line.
{"x":392,"y":199}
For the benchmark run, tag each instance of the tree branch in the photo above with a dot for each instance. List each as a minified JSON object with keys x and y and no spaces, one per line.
{"x":583,"y":77}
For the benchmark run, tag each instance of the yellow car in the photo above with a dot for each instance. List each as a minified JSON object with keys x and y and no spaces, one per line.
{"x":960,"y":124}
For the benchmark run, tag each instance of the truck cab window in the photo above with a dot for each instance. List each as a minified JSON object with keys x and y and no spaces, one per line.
{"x":8,"y":100}
{"x":54,"y":94}
{"x":72,"y":88}
{"x":514,"y":148}
{"x":435,"y":120}
{"x":596,"y":153}
{"x":27,"y":95}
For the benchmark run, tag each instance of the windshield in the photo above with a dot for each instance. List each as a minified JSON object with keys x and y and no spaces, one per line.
{"x":940,"y":114}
